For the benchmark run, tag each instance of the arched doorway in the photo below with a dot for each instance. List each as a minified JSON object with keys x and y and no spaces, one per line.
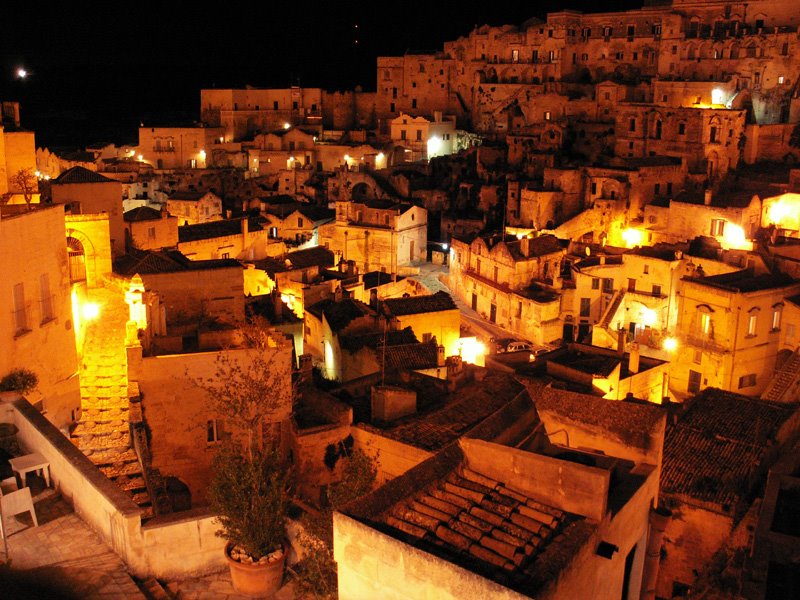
{"x":76,"y":260}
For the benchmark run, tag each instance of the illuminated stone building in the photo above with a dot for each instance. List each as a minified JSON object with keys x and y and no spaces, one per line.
{"x":195,"y":207}
{"x":511,"y":282}
{"x":730,"y":326}
{"x":377,"y":234}
{"x":450,"y":521}
{"x":178,"y":147}
{"x":38,"y":331}
{"x":150,"y":229}
{"x":85,"y":192}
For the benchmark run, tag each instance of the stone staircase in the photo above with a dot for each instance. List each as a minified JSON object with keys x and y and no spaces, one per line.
{"x":612,"y":309}
{"x":103,"y":432}
{"x":784,"y":379}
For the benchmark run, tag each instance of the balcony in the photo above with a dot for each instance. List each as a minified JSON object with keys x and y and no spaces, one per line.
{"x":706,"y":343}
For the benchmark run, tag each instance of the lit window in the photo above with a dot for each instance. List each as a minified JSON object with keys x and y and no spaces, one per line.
{"x":705,"y":323}
{"x":777,"y":314}
{"x":780,"y":79}
{"x":752,"y":323}
{"x":717,"y":226}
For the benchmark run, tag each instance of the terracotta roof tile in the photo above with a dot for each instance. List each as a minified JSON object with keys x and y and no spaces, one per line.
{"x":418,"y":304}
{"x":81,"y":175}
{"x":713,"y":451}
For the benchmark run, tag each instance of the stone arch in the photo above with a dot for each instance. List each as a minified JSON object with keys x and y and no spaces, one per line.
{"x":733,"y":51}
{"x":691,"y":51}
{"x":81,"y":258}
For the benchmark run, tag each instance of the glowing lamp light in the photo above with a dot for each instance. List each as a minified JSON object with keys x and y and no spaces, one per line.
{"x":670,"y":344}
{"x":22,"y":73}
{"x":632,"y":237}
{"x":287,"y":125}
{"x":717,"y":96}
{"x":380,"y":156}
{"x":434,"y":146}
{"x":140,"y":158}
{"x":90,"y":311}
{"x":648,"y":316}
{"x":470,"y":349}
{"x":346,"y":157}
{"x":733,"y":237}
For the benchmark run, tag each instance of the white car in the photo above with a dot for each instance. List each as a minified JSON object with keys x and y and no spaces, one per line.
{"x":519,"y":347}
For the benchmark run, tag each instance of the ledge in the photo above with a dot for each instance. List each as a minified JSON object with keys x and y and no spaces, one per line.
{"x":76,"y":458}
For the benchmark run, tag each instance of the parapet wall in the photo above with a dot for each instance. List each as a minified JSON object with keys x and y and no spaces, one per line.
{"x":180,"y":545}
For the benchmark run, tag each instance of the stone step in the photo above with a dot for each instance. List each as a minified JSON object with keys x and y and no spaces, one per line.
{"x":130,"y":484}
{"x":85,"y":428}
{"x":120,"y":469}
{"x":91,"y":444}
{"x":101,"y":415}
{"x":141,"y":498}
{"x":111,"y":456}
{"x":153,"y":590}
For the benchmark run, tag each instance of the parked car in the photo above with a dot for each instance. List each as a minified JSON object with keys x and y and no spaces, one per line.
{"x":518,"y":346}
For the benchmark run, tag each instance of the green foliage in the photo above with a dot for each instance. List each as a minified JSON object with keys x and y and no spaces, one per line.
{"x":249,"y":496}
{"x":22,"y":380}
{"x":250,"y":481}
{"x":316,"y":576}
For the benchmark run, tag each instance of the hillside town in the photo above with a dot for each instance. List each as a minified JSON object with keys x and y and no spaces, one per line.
{"x":522,"y":322}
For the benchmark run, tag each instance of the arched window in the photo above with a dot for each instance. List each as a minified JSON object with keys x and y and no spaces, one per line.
{"x":77,"y":260}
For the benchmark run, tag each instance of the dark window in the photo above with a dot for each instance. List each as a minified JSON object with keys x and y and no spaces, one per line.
{"x":608,"y":285}
{"x":656,"y":290}
{"x":595,"y":284}
{"x":747,"y":380}
{"x":586,"y":304}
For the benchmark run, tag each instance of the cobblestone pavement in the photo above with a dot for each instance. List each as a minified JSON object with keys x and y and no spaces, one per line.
{"x":218,"y":587}
{"x":61,"y":558}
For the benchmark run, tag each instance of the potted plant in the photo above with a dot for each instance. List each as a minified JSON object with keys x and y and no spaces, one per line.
{"x":251,"y":389}
{"x":248,"y":493}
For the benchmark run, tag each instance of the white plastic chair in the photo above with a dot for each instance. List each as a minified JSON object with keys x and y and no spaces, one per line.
{"x":18,"y":502}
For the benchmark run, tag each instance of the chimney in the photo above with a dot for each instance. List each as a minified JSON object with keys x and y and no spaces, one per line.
{"x":525,"y":246}
{"x":437,"y":116}
{"x":620,"y":342}
{"x":245,"y":229}
{"x":440,"y":356}
{"x":633,"y":361}
{"x":707,"y":197}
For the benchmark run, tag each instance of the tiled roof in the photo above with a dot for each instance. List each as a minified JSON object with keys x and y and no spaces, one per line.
{"x":744,"y":281}
{"x":376,"y":278}
{"x":187,"y":195}
{"x":452,"y":415}
{"x":414,"y":305}
{"x":318,"y":256}
{"x":81,"y":175}
{"x":632,"y":423}
{"x":216,"y":229}
{"x":373,"y":339}
{"x":403,"y":357}
{"x":340,"y":314}
{"x":146,"y":262}
{"x":142,"y":213}
{"x":478,"y":523}
{"x":794,"y":299}
{"x":713,"y":451}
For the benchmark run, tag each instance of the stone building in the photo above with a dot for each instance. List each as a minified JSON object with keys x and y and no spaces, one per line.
{"x":730,"y":325}
{"x":195,"y":207}
{"x":178,"y":147}
{"x":38,"y":331}
{"x":429,"y":316}
{"x":85,"y":192}
{"x":377,"y":233}
{"x":150,"y":229}
{"x":715,"y":454}
{"x":511,"y":282}
{"x":245,"y":238}
{"x":456,"y":524}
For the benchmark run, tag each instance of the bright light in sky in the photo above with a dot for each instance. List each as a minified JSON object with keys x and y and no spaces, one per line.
{"x":21,"y":73}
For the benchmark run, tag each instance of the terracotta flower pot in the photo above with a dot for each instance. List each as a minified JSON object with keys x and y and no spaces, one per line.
{"x":261,"y":580}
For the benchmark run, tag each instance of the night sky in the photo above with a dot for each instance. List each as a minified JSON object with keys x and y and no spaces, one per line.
{"x":95,"y":74}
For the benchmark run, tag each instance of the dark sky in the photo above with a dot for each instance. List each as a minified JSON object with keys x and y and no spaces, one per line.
{"x":96,"y":73}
